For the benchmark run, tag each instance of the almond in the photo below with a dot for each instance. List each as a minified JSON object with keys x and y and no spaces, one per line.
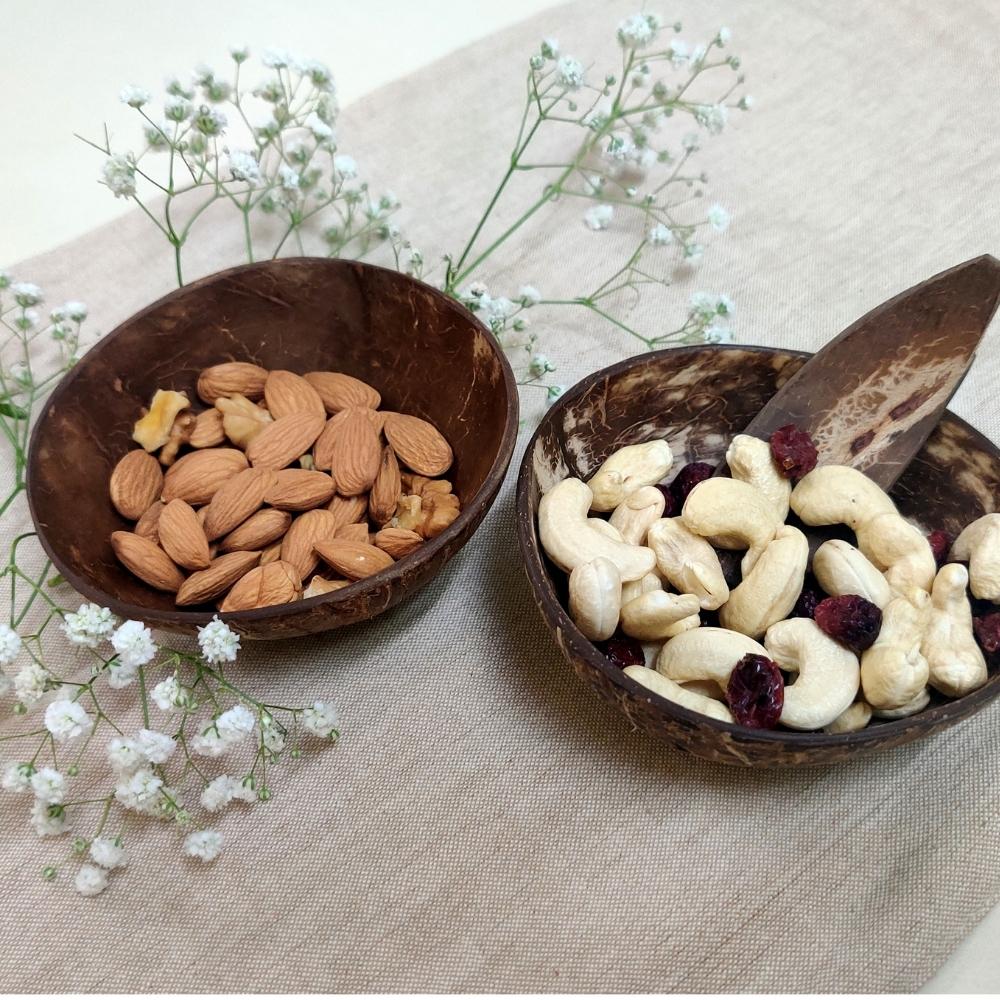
{"x":221,"y":574}
{"x":352,"y":532}
{"x":207,"y":432}
{"x":257,"y":532}
{"x":230,"y":378}
{"x":387,"y":488}
{"x":398,"y":542}
{"x":281,"y":443}
{"x":297,"y":545}
{"x":286,"y":392}
{"x":356,"y":454}
{"x":146,"y":560}
{"x":339,"y":391}
{"x":146,"y":526}
{"x":355,"y":560}
{"x":348,"y":510}
{"x":317,"y":586}
{"x":323,"y":449}
{"x":418,"y":444}
{"x":271,"y":554}
{"x":299,"y":489}
{"x":275,"y":583}
{"x":182,"y":536}
{"x":236,"y":500}
{"x":136,"y":482}
{"x":197,"y":476}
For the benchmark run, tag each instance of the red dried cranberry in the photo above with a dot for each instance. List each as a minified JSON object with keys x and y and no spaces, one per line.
{"x":850,"y":620}
{"x":689,"y":477}
{"x":987,"y":631}
{"x":623,"y":652}
{"x":809,"y":598}
{"x":672,"y":506}
{"x":941,"y":543}
{"x":756,"y":692}
{"x":793,"y":451}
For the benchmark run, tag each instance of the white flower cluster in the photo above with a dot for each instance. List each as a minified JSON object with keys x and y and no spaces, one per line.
{"x":229,"y":729}
{"x":89,"y":625}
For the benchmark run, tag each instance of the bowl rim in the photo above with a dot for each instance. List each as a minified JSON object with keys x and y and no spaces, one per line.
{"x":402,"y":567}
{"x":572,"y":641}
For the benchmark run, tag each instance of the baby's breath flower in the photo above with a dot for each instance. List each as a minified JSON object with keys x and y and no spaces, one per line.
{"x":718,"y":333}
{"x":91,"y":880}
{"x":745,"y":103}
{"x":124,"y":755}
{"x":236,"y":724}
{"x":528,"y":296}
{"x":48,"y":785}
{"x":319,"y":74}
{"x":153,"y":746}
{"x":598,"y":217}
{"x":203,"y":844}
{"x":135,"y":97}
{"x":10,"y":645}
{"x":244,"y":166}
{"x":550,"y":48}
{"x":209,"y":121}
{"x":540,"y":365}
{"x":318,"y":127}
{"x":4,"y":280}
{"x":345,"y":166}
{"x":76,"y":311}
{"x":120,"y":675}
{"x":320,"y":719}
{"x":554,"y":392}
{"x":679,"y":52}
{"x":276,"y":58}
{"x":133,"y":642}
{"x":289,"y":177}
{"x":177,"y":108}
{"x":569,"y":72}
{"x":31,"y":682}
{"x":220,"y":791}
{"x":119,"y":175}
{"x":67,"y":720}
{"x":693,"y":252}
{"x":48,"y":819}
{"x":712,"y":117}
{"x":139,"y":791}
{"x":660,"y":235}
{"x":90,"y":624}
{"x":239,"y":53}
{"x":272,"y":735}
{"x":219,"y":643}
{"x":718,"y":218}
{"x":175,"y":88}
{"x":167,"y":694}
{"x":17,"y":777}
{"x":26,"y":294}
{"x":638,"y":31}
{"x":108,"y":852}
{"x":723,"y":37}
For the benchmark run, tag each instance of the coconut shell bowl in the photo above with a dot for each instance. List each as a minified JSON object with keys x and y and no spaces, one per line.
{"x":423,"y":352}
{"x":698,"y":398}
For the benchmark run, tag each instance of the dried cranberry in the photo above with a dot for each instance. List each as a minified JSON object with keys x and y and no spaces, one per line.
{"x":809,"y":598}
{"x":987,"y":631}
{"x":793,"y":451}
{"x":941,"y":543}
{"x":756,"y":692}
{"x":672,"y":506}
{"x":689,"y":477}
{"x":850,"y":620}
{"x":623,"y":652}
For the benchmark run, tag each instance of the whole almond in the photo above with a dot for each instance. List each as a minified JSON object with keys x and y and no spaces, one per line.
{"x":354,"y":560}
{"x":182,"y":536}
{"x":197,"y":476}
{"x":387,"y":488}
{"x":207,"y":432}
{"x":271,"y":554}
{"x":297,"y":547}
{"x":281,"y":443}
{"x":356,"y":453}
{"x":418,"y":444}
{"x":352,"y":532}
{"x":257,"y":531}
{"x":232,"y":377}
{"x":236,"y":500}
{"x":339,"y":391}
{"x":286,"y":392}
{"x":136,"y":483}
{"x":398,"y":542}
{"x":275,"y":583}
{"x":146,"y":560}
{"x":348,"y":510}
{"x":323,"y":449}
{"x":299,"y":489}
{"x":146,"y":526}
{"x":221,"y":574}
{"x":317,"y":586}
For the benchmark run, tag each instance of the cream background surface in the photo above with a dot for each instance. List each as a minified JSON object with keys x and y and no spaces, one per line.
{"x":515,"y":834}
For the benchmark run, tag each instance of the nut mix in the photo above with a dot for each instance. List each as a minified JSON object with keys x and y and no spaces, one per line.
{"x":280,"y":473}
{"x":858,"y":632}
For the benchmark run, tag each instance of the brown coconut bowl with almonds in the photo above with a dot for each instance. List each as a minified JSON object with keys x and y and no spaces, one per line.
{"x":698,"y":398}
{"x":425,"y":354}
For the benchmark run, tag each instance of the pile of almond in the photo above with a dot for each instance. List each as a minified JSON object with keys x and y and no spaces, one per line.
{"x":240,"y":503}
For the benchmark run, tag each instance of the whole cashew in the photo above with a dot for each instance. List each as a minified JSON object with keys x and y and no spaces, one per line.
{"x":829,"y":674}
{"x":898,"y":549}
{"x":606,"y":528}
{"x":893,"y":669}
{"x":706,"y":654}
{"x":979,"y":546}
{"x":707,"y":688}
{"x":838,"y":494}
{"x":666,"y":688}
{"x":918,"y":704}
{"x":652,"y":616}
{"x":841,"y":569}
{"x":688,"y":562}
{"x":595,"y":598}
{"x":769,"y":591}
{"x":636,"y":588}
{"x":957,"y":665}
{"x":852,"y":719}
{"x":627,"y":470}
{"x":637,"y":512}
{"x":569,"y":540}
{"x":731,"y":515}
{"x":651,"y":653}
{"x":750,"y":461}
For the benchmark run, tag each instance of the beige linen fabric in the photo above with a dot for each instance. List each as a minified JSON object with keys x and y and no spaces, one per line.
{"x":487,"y":823}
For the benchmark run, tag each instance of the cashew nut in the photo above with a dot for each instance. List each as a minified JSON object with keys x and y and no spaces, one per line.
{"x":627,"y":470}
{"x":750,"y":461}
{"x":893,"y":669}
{"x":898,"y":549}
{"x":828,"y":673}
{"x":957,"y":665}
{"x":684,"y":625}
{"x":841,"y":569}
{"x":769,"y":591}
{"x":666,"y":688}
{"x":688,"y":562}
{"x":852,"y":719}
{"x":605,"y":528}
{"x":636,"y":588}
{"x":636,"y":513}
{"x":706,"y":654}
{"x":651,"y":652}
{"x":731,"y":515}
{"x":652,"y":616}
{"x":707,"y":688}
{"x":595,"y":598}
{"x":838,"y":494}
{"x":918,"y":704}
{"x":979,"y":546}
{"x":569,"y":540}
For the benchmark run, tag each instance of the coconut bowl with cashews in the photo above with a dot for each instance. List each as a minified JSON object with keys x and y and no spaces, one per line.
{"x":697,"y":400}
